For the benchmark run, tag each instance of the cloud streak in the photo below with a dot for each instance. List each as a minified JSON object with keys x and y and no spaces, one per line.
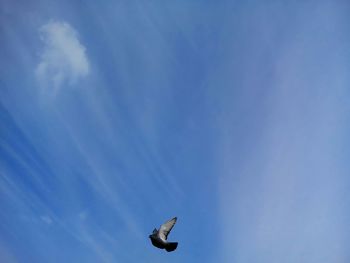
{"x":282,"y":179}
{"x":63,"y":60}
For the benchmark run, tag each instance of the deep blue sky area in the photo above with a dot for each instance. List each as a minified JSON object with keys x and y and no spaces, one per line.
{"x":116,"y":116}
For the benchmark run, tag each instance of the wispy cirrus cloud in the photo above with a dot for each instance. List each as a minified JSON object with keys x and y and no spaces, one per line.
{"x":63,"y":59}
{"x":46,"y":219}
{"x":6,"y":255}
{"x":282,"y":189}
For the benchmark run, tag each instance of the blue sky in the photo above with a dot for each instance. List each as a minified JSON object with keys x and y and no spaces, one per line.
{"x":118,"y":115}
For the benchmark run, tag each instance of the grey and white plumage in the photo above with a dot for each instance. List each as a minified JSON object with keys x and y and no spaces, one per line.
{"x":159,"y":237}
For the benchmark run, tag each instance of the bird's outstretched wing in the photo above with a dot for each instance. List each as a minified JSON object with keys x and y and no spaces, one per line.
{"x":165,"y":229}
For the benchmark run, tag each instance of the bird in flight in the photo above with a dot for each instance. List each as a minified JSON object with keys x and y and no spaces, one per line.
{"x":159,"y":237}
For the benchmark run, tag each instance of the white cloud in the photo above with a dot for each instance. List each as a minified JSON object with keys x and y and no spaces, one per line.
{"x":63,"y":58}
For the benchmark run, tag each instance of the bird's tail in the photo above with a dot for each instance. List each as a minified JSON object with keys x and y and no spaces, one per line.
{"x":171,"y":246}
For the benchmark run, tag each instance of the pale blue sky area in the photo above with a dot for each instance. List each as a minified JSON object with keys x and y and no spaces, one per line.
{"x":233,"y":116}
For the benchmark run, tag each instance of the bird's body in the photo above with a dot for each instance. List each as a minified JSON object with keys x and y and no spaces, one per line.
{"x":159,"y":237}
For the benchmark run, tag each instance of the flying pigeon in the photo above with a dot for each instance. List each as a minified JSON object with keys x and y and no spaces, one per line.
{"x":159,"y":237}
